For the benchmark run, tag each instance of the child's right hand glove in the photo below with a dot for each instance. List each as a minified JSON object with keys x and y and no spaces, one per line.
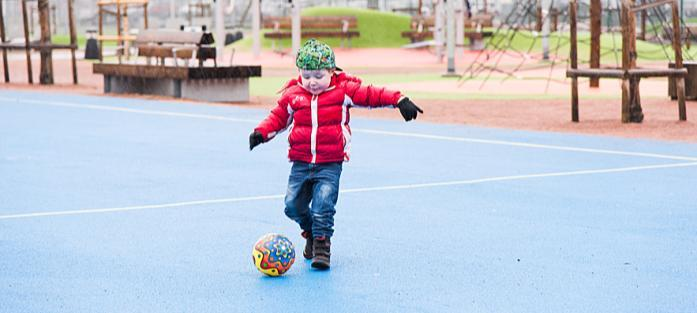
{"x":408,"y":109}
{"x":255,"y":139}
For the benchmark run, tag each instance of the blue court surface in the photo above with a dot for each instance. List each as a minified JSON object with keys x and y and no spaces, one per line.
{"x":127,"y":205}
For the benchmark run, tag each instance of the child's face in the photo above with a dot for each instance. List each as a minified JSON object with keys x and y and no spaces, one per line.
{"x":316,"y":81}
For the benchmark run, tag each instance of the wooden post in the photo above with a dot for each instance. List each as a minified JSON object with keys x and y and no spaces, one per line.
{"x":119,"y":42}
{"x":642,"y":35}
{"x":46,"y":73}
{"x":573,"y":55}
{"x":628,"y":58}
{"x":73,"y":39}
{"x":126,"y":30}
{"x":145,"y":15}
{"x":624,"y":13}
{"x":679,"y":81}
{"x":595,"y":25}
{"x":26,"y":41}
{"x":4,"y":51}
{"x":101,"y":32}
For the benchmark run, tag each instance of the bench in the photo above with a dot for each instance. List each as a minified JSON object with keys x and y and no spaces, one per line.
{"x":422,"y":29}
{"x":690,"y":81}
{"x":343,"y":27}
{"x":163,"y":44}
{"x":198,"y":82}
{"x":631,"y":109}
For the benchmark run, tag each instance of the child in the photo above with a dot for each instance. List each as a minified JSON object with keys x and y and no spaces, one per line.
{"x":316,"y":108}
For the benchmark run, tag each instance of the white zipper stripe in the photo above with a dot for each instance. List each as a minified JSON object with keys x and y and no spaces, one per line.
{"x":315,"y":124}
{"x":344,"y":128}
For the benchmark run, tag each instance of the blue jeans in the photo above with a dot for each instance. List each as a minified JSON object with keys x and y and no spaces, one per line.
{"x":313,"y":190}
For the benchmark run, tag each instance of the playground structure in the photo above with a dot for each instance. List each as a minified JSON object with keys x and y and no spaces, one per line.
{"x":629,"y":73}
{"x":119,"y":9}
{"x":528,"y":21}
{"x":44,"y":45}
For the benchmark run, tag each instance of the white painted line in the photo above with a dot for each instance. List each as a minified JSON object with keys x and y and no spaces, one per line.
{"x":521,"y":177}
{"x":529,"y":145}
{"x":140,"y":207}
{"x":129,"y":110}
{"x":353,"y":190}
{"x":368,"y":131}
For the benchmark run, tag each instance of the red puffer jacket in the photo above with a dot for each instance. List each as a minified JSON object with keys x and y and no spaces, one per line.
{"x":320,"y":131}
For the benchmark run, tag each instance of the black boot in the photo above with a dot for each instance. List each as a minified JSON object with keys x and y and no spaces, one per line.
{"x":321,"y":247}
{"x":307,"y":253}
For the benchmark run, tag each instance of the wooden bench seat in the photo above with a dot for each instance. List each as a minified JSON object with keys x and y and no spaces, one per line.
{"x":422,"y":29}
{"x":343,"y":27}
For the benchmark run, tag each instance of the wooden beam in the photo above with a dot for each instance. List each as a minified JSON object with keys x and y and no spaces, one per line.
{"x":26,"y":41}
{"x":73,"y":39}
{"x":628,"y":59}
{"x":46,"y":72}
{"x":646,"y":6}
{"x":118,"y":24}
{"x":110,"y":12}
{"x":37,"y":45}
{"x":145,"y":15}
{"x":595,"y":73}
{"x":663,"y":72}
{"x":573,"y":55}
{"x":174,"y":72}
{"x":5,"y":66}
{"x":595,"y":25}
{"x":679,"y":82}
{"x":115,"y":38}
{"x":644,"y":17}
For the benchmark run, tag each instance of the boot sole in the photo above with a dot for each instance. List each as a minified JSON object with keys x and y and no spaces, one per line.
{"x":320,"y":265}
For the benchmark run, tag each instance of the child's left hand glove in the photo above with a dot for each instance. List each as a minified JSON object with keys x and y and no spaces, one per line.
{"x":255,"y":139}
{"x":408,"y":109}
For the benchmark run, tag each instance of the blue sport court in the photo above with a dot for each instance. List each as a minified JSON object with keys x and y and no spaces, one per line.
{"x":128,"y":205}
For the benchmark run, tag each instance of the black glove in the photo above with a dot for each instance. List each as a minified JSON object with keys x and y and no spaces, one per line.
{"x":408,"y":109}
{"x":255,"y":139}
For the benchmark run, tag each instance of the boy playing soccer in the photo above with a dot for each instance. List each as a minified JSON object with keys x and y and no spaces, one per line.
{"x":316,"y":107}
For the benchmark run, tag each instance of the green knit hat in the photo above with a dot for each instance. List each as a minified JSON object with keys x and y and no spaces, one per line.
{"x":315,"y":55}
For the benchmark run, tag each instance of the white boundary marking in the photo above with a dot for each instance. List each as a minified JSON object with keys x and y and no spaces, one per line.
{"x":368,"y":131}
{"x":355,"y":190}
{"x":346,"y":191}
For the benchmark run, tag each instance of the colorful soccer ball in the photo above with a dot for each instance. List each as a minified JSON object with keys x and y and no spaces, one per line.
{"x":273,"y":254}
